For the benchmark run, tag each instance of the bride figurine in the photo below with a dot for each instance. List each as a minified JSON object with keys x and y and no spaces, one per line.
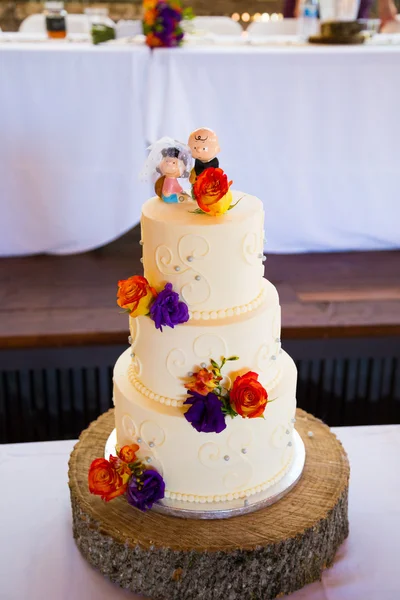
{"x":170,"y":160}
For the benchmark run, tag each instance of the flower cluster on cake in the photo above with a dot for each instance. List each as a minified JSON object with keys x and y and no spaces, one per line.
{"x":204,"y":396}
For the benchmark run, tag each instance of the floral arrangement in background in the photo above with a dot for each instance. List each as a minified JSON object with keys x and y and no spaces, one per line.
{"x":125,"y":474}
{"x":137,"y":297}
{"x":162,"y":22}
{"x":210,"y":402}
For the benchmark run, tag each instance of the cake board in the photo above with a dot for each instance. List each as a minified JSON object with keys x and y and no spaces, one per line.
{"x":256,"y":556}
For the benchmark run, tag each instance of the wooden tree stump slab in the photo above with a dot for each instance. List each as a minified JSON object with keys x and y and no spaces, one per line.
{"x":258,"y":556}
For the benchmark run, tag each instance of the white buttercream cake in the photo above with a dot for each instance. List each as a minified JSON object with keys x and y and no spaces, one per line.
{"x":216,"y":266}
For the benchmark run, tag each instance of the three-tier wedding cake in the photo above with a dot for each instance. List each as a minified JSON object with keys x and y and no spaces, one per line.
{"x":204,"y":396}
{"x":204,"y":419}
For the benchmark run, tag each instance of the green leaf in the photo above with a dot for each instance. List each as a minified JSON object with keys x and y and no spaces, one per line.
{"x":218,"y":392}
{"x":198,"y":211}
{"x":214,"y":364}
{"x":188,"y":13}
{"x":229,"y":412}
{"x":227,"y":408}
{"x":236,"y":203}
{"x":233,"y":358}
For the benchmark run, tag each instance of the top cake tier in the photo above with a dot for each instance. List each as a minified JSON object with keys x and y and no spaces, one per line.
{"x":216,"y":264}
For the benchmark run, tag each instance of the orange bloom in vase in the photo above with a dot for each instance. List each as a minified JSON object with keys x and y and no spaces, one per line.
{"x":150,"y":16}
{"x":203,"y":382}
{"x":248,"y":397}
{"x":153,"y":41}
{"x":135,"y":295}
{"x":105,"y":481}
{"x":212,"y":193}
{"x":149,"y":5}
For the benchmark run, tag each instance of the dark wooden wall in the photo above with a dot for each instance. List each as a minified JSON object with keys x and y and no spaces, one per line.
{"x":49,"y":394}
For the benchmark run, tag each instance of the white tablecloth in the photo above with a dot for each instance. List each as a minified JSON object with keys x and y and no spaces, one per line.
{"x":313,"y":131}
{"x":71,"y":145}
{"x":39,"y":558}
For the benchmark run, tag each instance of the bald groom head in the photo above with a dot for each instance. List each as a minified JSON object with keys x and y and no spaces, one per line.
{"x":204,"y":145}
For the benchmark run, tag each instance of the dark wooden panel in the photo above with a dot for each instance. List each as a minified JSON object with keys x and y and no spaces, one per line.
{"x":72,"y":298}
{"x":55,"y":394}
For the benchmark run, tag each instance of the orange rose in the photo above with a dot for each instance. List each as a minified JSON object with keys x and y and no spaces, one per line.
{"x":150,"y":16}
{"x":211,"y":191}
{"x":149,"y":4}
{"x":135,"y":295}
{"x":202,"y":382}
{"x":128,"y":453}
{"x":153,"y":41}
{"x":248,"y":397}
{"x":104,"y":480}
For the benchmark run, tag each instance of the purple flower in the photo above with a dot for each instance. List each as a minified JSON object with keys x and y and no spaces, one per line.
{"x":205,"y":414}
{"x":143,"y":493}
{"x":167,"y":309}
{"x":168,"y":18}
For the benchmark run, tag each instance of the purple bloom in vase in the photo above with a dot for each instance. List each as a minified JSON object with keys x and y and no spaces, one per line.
{"x":167,"y":309}
{"x":205,"y":414}
{"x":143,"y":493}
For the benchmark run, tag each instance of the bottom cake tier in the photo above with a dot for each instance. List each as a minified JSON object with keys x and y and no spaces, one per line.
{"x":247,"y":457}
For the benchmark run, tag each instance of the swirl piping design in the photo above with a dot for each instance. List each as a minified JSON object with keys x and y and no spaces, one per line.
{"x":128,"y":427}
{"x":209,"y":345}
{"x":152,"y":434}
{"x":252,"y":248}
{"x":235,"y":495}
{"x":176,"y":361}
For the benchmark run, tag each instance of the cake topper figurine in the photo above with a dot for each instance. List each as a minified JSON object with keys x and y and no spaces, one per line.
{"x":204,"y":145}
{"x":210,"y":185}
{"x":170,"y":160}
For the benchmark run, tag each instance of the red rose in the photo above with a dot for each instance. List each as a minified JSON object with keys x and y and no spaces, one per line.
{"x":135,"y":295}
{"x":248,"y":397}
{"x":128,"y":453}
{"x":104,"y":480}
{"x":211,"y":191}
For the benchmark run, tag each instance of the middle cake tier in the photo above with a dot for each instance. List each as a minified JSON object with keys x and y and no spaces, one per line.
{"x":162,"y":361}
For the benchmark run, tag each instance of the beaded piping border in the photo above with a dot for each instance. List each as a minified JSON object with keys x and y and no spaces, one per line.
{"x":224,"y":313}
{"x":236,"y":495}
{"x":173,"y":401}
{"x":148,"y":393}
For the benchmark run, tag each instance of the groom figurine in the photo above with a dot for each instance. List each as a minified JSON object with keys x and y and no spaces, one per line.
{"x":204,"y":146}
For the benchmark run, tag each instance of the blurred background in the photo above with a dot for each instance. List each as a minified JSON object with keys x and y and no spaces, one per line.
{"x":13,"y":13}
{"x":306,"y":109}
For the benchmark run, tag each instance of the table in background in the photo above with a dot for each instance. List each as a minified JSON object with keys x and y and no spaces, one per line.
{"x":313,"y":131}
{"x":71,"y":145}
{"x":40,"y":559}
